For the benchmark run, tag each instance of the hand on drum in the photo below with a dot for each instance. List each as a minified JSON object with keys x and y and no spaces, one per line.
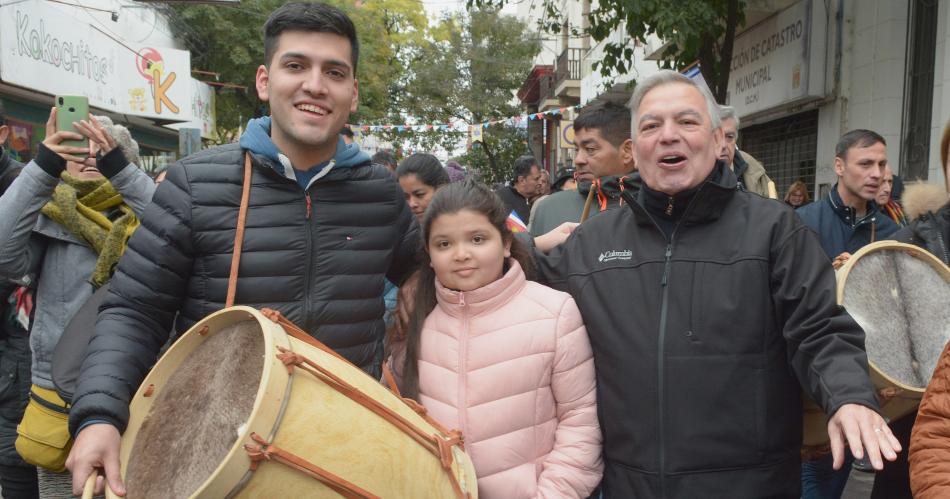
{"x":96,"y":447}
{"x":864,"y":430}
{"x":840,"y":260}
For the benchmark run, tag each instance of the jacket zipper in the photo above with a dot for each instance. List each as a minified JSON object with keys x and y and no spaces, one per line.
{"x":308,"y":270}
{"x":463,"y":366}
{"x":660,"y":344}
{"x":661,"y":339}
{"x":939,"y":237}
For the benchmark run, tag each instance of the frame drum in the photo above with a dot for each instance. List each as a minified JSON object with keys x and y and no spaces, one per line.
{"x":900,"y":295}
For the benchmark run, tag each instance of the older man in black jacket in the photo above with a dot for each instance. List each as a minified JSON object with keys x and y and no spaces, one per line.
{"x":324,"y":228}
{"x":709,"y":309}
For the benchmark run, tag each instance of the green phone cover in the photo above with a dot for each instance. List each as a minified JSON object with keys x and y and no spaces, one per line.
{"x":71,"y":109}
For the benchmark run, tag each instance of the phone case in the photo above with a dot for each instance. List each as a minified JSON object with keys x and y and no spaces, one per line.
{"x":70,"y":109}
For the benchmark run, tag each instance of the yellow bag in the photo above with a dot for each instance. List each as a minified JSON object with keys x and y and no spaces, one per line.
{"x":44,"y":438}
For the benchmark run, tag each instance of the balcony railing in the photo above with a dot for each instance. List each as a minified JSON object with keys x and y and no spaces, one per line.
{"x":568,"y":65}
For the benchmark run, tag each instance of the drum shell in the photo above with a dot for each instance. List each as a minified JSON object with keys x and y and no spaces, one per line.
{"x":904,"y":398}
{"x":307,"y":417}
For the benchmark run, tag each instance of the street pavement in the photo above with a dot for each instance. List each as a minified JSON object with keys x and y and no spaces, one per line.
{"x":859,"y":485}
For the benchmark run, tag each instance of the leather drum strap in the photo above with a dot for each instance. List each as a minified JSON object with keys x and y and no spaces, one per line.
{"x":239,"y":234}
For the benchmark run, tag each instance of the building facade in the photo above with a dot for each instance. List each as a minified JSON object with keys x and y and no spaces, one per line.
{"x":803,"y":73}
{"x":120,"y":54}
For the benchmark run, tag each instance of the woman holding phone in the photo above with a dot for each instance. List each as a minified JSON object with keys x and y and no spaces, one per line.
{"x":67,"y":219}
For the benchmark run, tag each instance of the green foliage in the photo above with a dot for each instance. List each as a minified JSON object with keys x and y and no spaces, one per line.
{"x":465,"y":68}
{"x":494,"y":159}
{"x":696,"y":30}
{"x":470,"y":72}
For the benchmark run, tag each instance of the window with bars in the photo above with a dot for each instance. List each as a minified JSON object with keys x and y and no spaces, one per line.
{"x":919,"y":89}
{"x":787,"y":148}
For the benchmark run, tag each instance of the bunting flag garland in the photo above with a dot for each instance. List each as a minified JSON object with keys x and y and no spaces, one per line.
{"x":461,"y":125}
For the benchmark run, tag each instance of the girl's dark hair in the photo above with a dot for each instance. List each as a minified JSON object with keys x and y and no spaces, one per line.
{"x":426,"y":167}
{"x":453,"y":198}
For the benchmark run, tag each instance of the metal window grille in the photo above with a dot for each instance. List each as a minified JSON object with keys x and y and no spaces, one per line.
{"x":787,"y":148}
{"x":919,"y":89}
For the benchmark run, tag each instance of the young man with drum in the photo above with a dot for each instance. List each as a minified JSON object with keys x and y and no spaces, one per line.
{"x":324,"y":228}
{"x":709,"y":309}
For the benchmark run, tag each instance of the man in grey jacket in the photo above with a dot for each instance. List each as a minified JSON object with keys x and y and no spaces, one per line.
{"x":44,"y":234}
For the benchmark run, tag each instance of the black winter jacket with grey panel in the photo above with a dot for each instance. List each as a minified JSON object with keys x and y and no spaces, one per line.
{"x":319,"y":257}
{"x":703,"y":343}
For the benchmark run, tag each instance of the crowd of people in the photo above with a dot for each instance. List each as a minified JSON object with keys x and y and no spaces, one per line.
{"x":641,"y":324}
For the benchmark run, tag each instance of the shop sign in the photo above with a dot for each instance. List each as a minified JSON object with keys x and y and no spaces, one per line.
{"x":43,"y":49}
{"x":202,"y":109}
{"x":778,"y":61}
{"x":566,"y":134}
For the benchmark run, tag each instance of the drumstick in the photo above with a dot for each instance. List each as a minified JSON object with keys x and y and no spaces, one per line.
{"x":590,"y":199}
{"x":89,"y":489}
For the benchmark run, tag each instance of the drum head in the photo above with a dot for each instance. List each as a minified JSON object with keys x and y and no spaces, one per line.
{"x":900,"y":295}
{"x":198,"y":414}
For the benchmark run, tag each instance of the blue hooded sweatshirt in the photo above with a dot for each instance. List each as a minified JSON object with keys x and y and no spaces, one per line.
{"x":256,"y":138}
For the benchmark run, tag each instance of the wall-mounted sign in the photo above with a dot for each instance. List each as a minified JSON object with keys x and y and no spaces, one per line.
{"x":780,"y":60}
{"x":44,"y":49}
{"x":202,"y":109}
{"x":566,"y":135}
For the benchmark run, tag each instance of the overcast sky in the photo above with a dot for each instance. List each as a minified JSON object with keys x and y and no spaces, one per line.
{"x":436,"y":7}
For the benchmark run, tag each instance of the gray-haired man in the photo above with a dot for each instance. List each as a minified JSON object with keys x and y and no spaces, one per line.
{"x":708,"y":309}
{"x":750,"y":174}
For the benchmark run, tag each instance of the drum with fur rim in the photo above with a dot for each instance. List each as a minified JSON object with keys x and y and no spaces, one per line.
{"x":900,"y":295}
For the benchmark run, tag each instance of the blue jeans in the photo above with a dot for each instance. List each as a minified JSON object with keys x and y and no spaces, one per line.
{"x":821,"y":481}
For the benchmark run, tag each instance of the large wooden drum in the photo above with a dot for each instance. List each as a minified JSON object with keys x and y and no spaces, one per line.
{"x":240,"y":408}
{"x":900,"y":295}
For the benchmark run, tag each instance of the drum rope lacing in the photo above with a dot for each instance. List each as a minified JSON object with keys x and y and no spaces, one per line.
{"x":440,"y":446}
{"x":267,"y":452}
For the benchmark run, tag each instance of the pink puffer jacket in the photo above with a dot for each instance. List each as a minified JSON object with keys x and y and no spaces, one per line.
{"x":510,"y":365}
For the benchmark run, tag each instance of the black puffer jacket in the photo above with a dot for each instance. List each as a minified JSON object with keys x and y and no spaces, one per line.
{"x":318,"y":257}
{"x":704,"y":341}
{"x":930,"y":231}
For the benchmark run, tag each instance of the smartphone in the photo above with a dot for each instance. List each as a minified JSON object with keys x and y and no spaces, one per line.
{"x":71,"y":109}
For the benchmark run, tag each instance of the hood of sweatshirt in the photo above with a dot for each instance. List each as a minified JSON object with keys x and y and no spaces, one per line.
{"x":256,"y":138}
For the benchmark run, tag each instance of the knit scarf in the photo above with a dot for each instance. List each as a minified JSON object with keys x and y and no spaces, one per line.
{"x":79,"y":206}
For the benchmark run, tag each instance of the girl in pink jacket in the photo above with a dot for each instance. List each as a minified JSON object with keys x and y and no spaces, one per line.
{"x":505,"y":360}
